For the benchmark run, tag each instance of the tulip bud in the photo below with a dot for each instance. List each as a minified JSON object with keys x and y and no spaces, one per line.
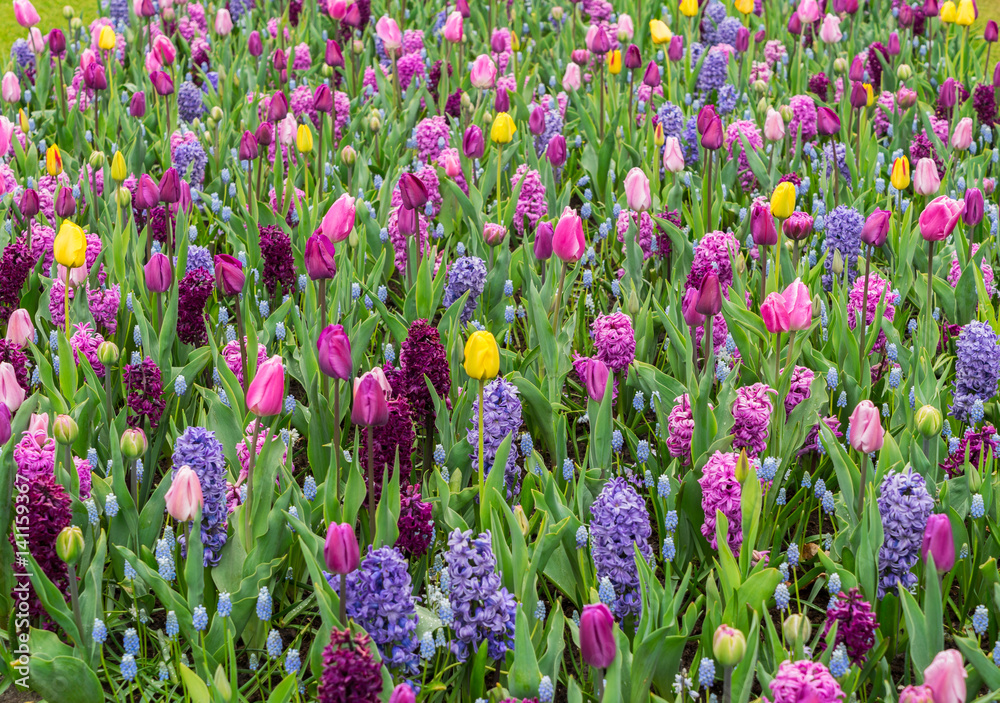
{"x":522,"y":519}
{"x":632,"y":305}
{"x":184,"y":498}
{"x":742,"y":469}
{"x":124,"y":197}
{"x":119,"y":171}
{"x":222,"y":685}
{"x":29,"y":203}
{"x":96,"y":159}
{"x":904,"y":72}
{"x":597,"y":637}
{"x":929,"y":421}
{"x":69,"y":544}
{"x":348,"y":155}
{"x":137,"y":105}
{"x":786,"y":113}
{"x":133,"y":443}
{"x":939,"y":542}
{"x":65,"y":429}
{"x":728,"y":645}
{"x":107,"y":353}
{"x":797,"y":629}
{"x":838,"y":262}
{"x":158,"y":273}
{"x":341,"y":549}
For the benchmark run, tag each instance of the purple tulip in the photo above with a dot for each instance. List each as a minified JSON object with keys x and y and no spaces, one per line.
{"x":463,"y":8}
{"x":712,"y":138}
{"x":147,"y":193}
{"x":556,"y":151}
{"x":859,"y":96}
{"x":254,"y":44}
{"x":162,"y":83}
{"x":278,"y":109}
{"x":709,"y":296}
{"x":931,"y":8}
{"x":689,"y":308}
{"x":876,"y":228}
{"x":939,"y":542}
{"x":341,"y":549}
{"x":597,"y":636}
{"x":353,"y":17}
{"x":705,"y":117}
{"x":742,"y":39}
{"x":229,"y":276}
{"x":319,"y":258}
{"x":795,"y":24}
{"x":675,"y":52}
{"x":973,"y":214}
{"x":543,"y":241}
{"x":596,"y":375}
{"x":857,"y":70}
{"x":413,"y":191}
{"x":265,"y":134}
{"x":323,"y":99}
{"x":170,"y":186}
{"x":990,"y":33}
{"x":632,"y":59}
{"x":158,"y":273}
{"x":501,"y":103}
{"x":762,"y":227}
{"x":334,"y":353}
{"x":334,"y":57}
{"x":369,"y":408}
{"x":651,"y":77}
{"x":403,"y":694}
{"x":137,"y":105}
{"x":65,"y":204}
{"x":948,"y":93}
{"x":473,"y":145}
{"x":57,"y":42}
{"x":536,"y":121}
{"x":94,"y":76}
{"x":827,"y":122}
{"x":248,"y":146}
{"x":29,"y":205}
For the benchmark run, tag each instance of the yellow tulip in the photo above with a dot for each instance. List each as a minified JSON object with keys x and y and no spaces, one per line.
{"x":304,"y":139}
{"x":53,"y":161}
{"x":658,"y":137}
{"x":900,"y":177}
{"x":660,"y":31}
{"x":482,"y":356}
{"x":615,"y":62}
{"x":503,"y":129}
{"x":744,"y":6}
{"x":783,"y":200}
{"x":689,"y":8}
{"x":118,"y":170}
{"x":515,"y":43}
{"x":966,"y":13}
{"x":949,"y":13}
{"x":871,"y":94}
{"x":70,"y":246}
{"x":23,"y":118}
{"x":106,"y":39}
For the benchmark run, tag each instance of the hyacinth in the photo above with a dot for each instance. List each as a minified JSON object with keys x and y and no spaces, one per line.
{"x":751,"y":417}
{"x":812,"y":442}
{"x":553,"y":124}
{"x":279,"y":264}
{"x":643,"y":233}
{"x":720,"y":490}
{"x":189,"y":102}
{"x":350,"y":673}
{"x":713,"y":71}
{"x":198,"y":448}
{"x":194,"y":290}
{"x":531,"y":203}
{"x":614,"y":340}
{"x":843,"y":170}
{"x":395,"y":437}
{"x":415,"y":524}
{"x":978,"y":444}
{"x":85,"y":341}
{"x":501,"y":418}
{"x":875,"y":65}
{"x":819,"y":85}
{"x":843,"y":234}
{"x":977,"y":368}
{"x":232,"y":355}
{"x":48,"y":512}
{"x":619,"y":523}
{"x":905,"y":506}
{"x":421,"y":355}
{"x":882,"y":114}
{"x":985,"y":104}
{"x":243,"y":447}
{"x":714,"y":254}
{"x":482,"y":608}
{"x":379,"y":598}
{"x":680,"y":428}
{"x":16,"y":263}
{"x":104,"y":304}
{"x":804,"y":680}
{"x":804,"y":117}
{"x":145,"y":393}
{"x":955,"y":272}
{"x":431,"y":136}
{"x":190,"y":159}
{"x":802,"y":378}
{"x":856,"y":625}
{"x":734,"y":145}
{"x":35,"y":454}
{"x":664,"y":245}
{"x":879,"y":290}
{"x":11,"y":354}
{"x":467,"y":273}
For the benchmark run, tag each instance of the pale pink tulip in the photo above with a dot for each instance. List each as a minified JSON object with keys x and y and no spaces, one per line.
{"x":20,"y":330}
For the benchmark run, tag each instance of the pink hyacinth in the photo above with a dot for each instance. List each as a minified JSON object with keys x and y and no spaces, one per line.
{"x":759,"y":71}
{"x":35,"y":454}
{"x":644,"y":232}
{"x":410,"y":67}
{"x":243,"y":448}
{"x":955,"y":272}
{"x":803,"y":115}
{"x":720,"y":491}
{"x":614,"y":340}
{"x":680,"y":428}
{"x":774,"y":51}
{"x":877,"y":288}
{"x":804,"y":680}
{"x":531,"y":203}
{"x":802,"y":378}
{"x":104,"y":304}
{"x":428,"y":135}
{"x":300,"y":102}
{"x":882,"y":115}
{"x":752,"y":417}
{"x":231,"y":353}
{"x":301,"y":59}
{"x":85,"y":341}
{"x":714,"y":254}
{"x":413,"y":41}
{"x":734,"y":144}
{"x":83,"y":470}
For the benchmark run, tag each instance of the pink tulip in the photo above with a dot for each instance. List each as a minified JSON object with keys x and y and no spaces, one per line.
{"x":25,"y":13}
{"x":596,"y":376}
{"x":916,"y":694}
{"x":774,"y":126}
{"x":77,"y":275}
{"x":637,"y":190}
{"x":808,"y":11}
{"x":334,"y":352}
{"x":961,"y":138}
{"x":567,"y":240}
{"x":20,"y":330}
{"x":38,"y":422}
{"x":388,"y":31}
{"x":626,"y":29}
{"x":940,"y":217}
{"x":673,"y":157}
{"x":164,"y":49}
{"x":829,"y":32}
{"x":87,"y":57}
{"x":152,"y":62}
{"x":369,"y":407}
{"x":339,"y":219}
{"x":689,"y":308}
{"x":267,"y":389}
{"x":453,"y":27}
{"x":483,"y":73}
{"x":866,"y":429}
{"x":451,"y":163}
{"x":775,"y":313}
{"x":925,"y":177}
{"x":184,"y":497}
{"x":337,"y":9}
{"x":340,"y":552}
{"x":36,"y":40}
{"x":223,"y":22}
{"x":10,"y":88}
{"x":402,"y":694}
{"x":946,"y":677}
{"x":597,"y":636}
{"x":11,"y":393}
{"x":572,"y":79}
{"x":6,"y":134}
{"x":798,"y":304}
{"x":939,"y":542}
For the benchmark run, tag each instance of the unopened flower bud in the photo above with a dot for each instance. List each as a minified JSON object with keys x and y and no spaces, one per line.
{"x":216,"y":113}
{"x":904,"y":72}
{"x":124,"y":198}
{"x":840,"y":65}
{"x":97,"y":159}
{"x":133,"y":443}
{"x":108,"y":353}
{"x":348,"y":155}
{"x":797,"y":629}
{"x":522,"y":519}
{"x":786,"y":113}
{"x":69,"y":544}
{"x":65,"y":429}
{"x":929,"y":420}
{"x":728,"y":645}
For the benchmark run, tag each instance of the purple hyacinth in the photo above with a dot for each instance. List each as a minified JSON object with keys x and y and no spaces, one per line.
{"x":15,"y":265}
{"x":553,"y":125}
{"x":189,"y":102}
{"x":713,"y":71}
{"x":467,"y":273}
{"x":501,"y":418}
{"x":421,"y":354}
{"x":194,"y":290}
{"x":921,"y":147}
{"x":842,"y":168}
{"x":415,"y":524}
{"x":350,"y":673}
{"x":431,"y":137}
{"x":720,"y":490}
{"x":856,"y":625}
{"x":279,"y":264}
{"x":190,"y":160}
{"x":752,"y":417}
{"x":905,"y":506}
{"x":619,"y":523}
{"x":11,"y":354}
{"x":614,"y":340}
{"x":977,"y":443}
{"x":802,"y":378}
{"x":985,"y":104}
{"x":198,"y":448}
{"x":680,"y":429}
{"x":482,"y":607}
{"x":819,"y":85}
{"x":804,"y":680}
{"x":977,"y":368}
{"x":843,"y":234}
{"x":714,"y":254}
{"x":804,"y":117}
{"x":531,"y":203}
{"x":144,"y":387}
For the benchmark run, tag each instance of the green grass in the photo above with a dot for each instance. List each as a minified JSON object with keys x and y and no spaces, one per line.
{"x":51,"y":12}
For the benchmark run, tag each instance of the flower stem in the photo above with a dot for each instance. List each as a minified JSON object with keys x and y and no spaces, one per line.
{"x":482,"y":458}
{"x":371,"y":484}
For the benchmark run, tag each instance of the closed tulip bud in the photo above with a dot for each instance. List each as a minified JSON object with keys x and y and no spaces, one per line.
{"x":266,"y":394}
{"x":596,"y":377}
{"x":57,"y":43}
{"x":675,"y":52}
{"x":929,"y":420}
{"x":597,"y":633}
{"x":340,"y":551}
{"x":614,"y":62}
{"x":945,"y":676}
{"x":278,"y":109}
{"x":522,"y":520}
{"x":689,"y":308}
{"x":794,"y":24}
{"x":556,"y":151}
{"x":503,"y":128}
{"x":783,"y":200}
{"x":184,"y":498}
{"x":966,"y":13}
{"x":598,"y":40}
{"x":568,"y":242}
{"x":961,"y":138}
{"x":162,"y":83}
{"x":990,"y":32}
{"x":304,"y":139}
{"x":265,"y":134}
{"x":651,"y":77}
{"x":859,"y":97}
{"x":20,"y":330}
{"x":876,"y":228}
{"x":65,"y":205}
{"x":857,"y":72}
{"x":493,"y":233}
{"x":658,"y":138}
{"x":369,"y":408}
{"x":107,"y":353}
{"x":70,"y":246}
{"x":925,"y":177}
{"x":53,"y":160}
{"x":775,"y":313}
{"x":229,"y":276}
{"x":893,"y":45}
{"x":353,"y":17}
{"x":123,"y":197}
{"x":706,"y":115}
{"x":786,"y":113}
{"x":133,"y":443}
{"x":106,"y":39}
{"x":867,"y":434}
{"x":762,"y":227}
{"x":28,"y":204}
{"x":501,"y":102}
{"x":334,"y":352}
{"x":632,"y":59}
{"x":774,"y":125}
{"x":939,"y":542}
{"x":248,"y":150}
{"x":906,"y":98}
{"x":254,"y":44}
{"x":543,"y":241}
{"x":673,"y":157}
{"x":170,"y":186}
{"x":147,"y":193}
{"x":827,"y":121}
{"x":900,"y":176}
{"x":137,"y":105}
{"x":709,"y":296}
{"x":483,"y":72}
{"x":94,"y":76}
{"x":413,"y":191}
{"x":223,"y":22}
{"x":158,"y":274}
{"x":333,"y":55}
{"x":482,"y":356}
{"x":637,"y":194}
{"x":798,"y":305}
{"x":536,"y":121}
{"x":65,"y":430}
{"x":69,"y":544}
{"x":728,"y":645}
{"x":974,"y":207}
{"x":473,"y":145}
{"x":742,"y":39}
{"x":403,"y":693}
{"x":797,"y":629}
{"x":712,"y":137}
{"x":556,"y":12}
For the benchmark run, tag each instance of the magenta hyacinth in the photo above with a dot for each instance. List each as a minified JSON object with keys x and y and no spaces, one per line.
{"x":720,"y":490}
{"x":614,"y":340}
{"x":804,"y":680}
{"x":752,"y":417}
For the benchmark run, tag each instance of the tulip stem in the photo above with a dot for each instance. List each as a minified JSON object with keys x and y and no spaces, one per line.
{"x":336,"y":440}
{"x":562,"y":281}
{"x":864,"y":299}
{"x":482,"y":458}
{"x":694,"y":349}
{"x":62,"y":85}
{"x":243,"y":343}
{"x":66,"y":301}
{"x":600,"y":92}
{"x":777,"y":356}
{"x":930,"y":291}
{"x":74,"y":595}
{"x":250,"y":467}
{"x":727,"y":684}
{"x":708,"y":191}
{"x":762,"y":259}
{"x":343,"y":600}
{"x":371,"y":484}
{"x":707,"y":340}
{"x":499,"y":188}
{"x":861,"y":489}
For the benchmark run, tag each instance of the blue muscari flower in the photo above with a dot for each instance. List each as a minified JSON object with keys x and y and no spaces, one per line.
{"x":780,"y":500}
{"x":895,"y":377}
{"x":546,"y":691}
{"x":92,"y":516}
{"x":782,"y":596}
{"x":99,"y":632}
{"x":642,"y":451}
{"x":292,"y":661}
{"x":828,"y":505}
{"x":606,"y":592}
{"x":670,"y":521}
{"x":978,"y":509}
{"x":527,"y":445}
{"x":976,"y":412}
{"x":274,"y":644}
{"x":647,"y":479}
{"x":290,"y":404}
{"x":223,"y":315}
{"x":509,"y":313}
{"x":309,"y":488}
{"x":663,"y":486}
{"x":200,"y":618}
{"x":129,"y":571}
{"x":806,"y":480}
{"x":253,"y":662}
{"x":980,"y":620}
{"x":180,"y":385}
{"x":616,"y":440}
{"x":638,"y":402}
{"x":839,"y":662}
{"x":588,"y":278}
{"x":439,"y":454}
{"x":446,"y":615}
{"x":783,"y":570}
{"x":224,"y":608}
{"x":669,"y":551}
{"x":616,"y":288}
{"x":137,"y":336}
{"x":568,"y":470}
{"x":946,"y":429}
{"x":819,"y":489}
{"x":891,"y":352}
{"x":369,"y":303}
{"x":508,"y":287}
{"x":831,"y":378}
{"x":171,"y":628}
{"x":131,"y":641}
{"x":768,"y":469}
{"x":913,"y":398}
{"x":389,"y":352}
{"x":355,"y":291}
{"x":581,"y":537}
{"x":706,"y":673}
{"x":128,"y":667}
{"x":427,"y":646}
{"x":279,"y":331}
{"x":842,"y":400}
{"x":585,"y":211}
{"x":264,"y":603}
{"x":540,"y":610}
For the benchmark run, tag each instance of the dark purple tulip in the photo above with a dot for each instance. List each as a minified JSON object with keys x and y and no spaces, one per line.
{"x":320,"y":264}
{"x":905,"y":18}
{"x":798,"y":226}
{"x":580,"y":57}
{"x":651,"y":77}
{"x":57,"y":42}
{"x":742,"y":39}
{"x":323,"y":99}
{"x":931,"y":8}
{"x":28,"y":204}
{"x":857,"y":71}
{"x":762,"y":227}
{"x":632,"y":59}
{"x":536,"y":121}
{"x":990,"y":33}
{"x":795,"y":24}
{"x":497,"y":43}
{"x":709,"y":296}
{"x":185,"y":201}
{"x":876,"y":228}
{"x":158,"y":273}
{"x":996,"y":75}
{"x":65,"y":203}
{"x":137,"y":105}
{"x":947,"y":93}
{"x":502,"y":101}
{"x":94,"y":76}
{"x":597,"y":636}
{"x":147,"y":193}
{"x":254,"y":44}
{"x":463,"y":8}
{"x":413,"y":191}
{"x":859,"y":96}
{"x":473,"y":145}
{"x":543,"y":241}
{"x":850,"y":6}
{"x":675,"y":52}
{"x":705,"y":116}
{"x":248,"y":146}
{"x":689,"y":308}
{"x":353,"y":17}
{"x":334,"y":352}
{"x":973,"y":214}
{"x":893,"y":48}
{"x":712,"y":138}
{"x":556,"y":151}
{"x":229,"y":276}
{"x":162,"y":83}
{"x":146,"y":8}
{"x":408,"y":221}
{"x":601,"y":43}
{"x":827,"y":122}
{"x":278,"y":109}
{"x":334,"y":56}
{"x":265,"y":134}
{"x":170,"y":186}
{"x":279,"y":60}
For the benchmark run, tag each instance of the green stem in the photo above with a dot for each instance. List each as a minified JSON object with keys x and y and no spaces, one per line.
{"x":482,"y":458}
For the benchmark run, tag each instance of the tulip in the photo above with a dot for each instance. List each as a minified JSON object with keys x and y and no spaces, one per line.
{"x":162,"y":83}
{"x":597,"y":40}
{"x":572,"y":80}
{"x":266,"y":393}
{"x":483,"y":72}
{"x":798,"y":305}
{"x":709,"y":296}
{"x":319,"y":258}
{"x":961,"y":138}
{"x":632,"y":59}
{"x":164,"y":49}
{"x":10,"y":88}
{"x":990,"y":33}
{"x":974,"y":205}
{"x":859,"y":96}
{"x":11,"y":393}
{"x":334,"y":56}
{"x":706,"y":116}
{"x":651,"y":77}
{"x":453,"y":28}
{"x":340,"y":551}
{"x":659,"y":31}
{"x":798,"y":226}
{"x":675,"y":52}
{"x":614,"y":62}
{"x":158,"y":273}
{"x":876,"y":228}
{"x":712,"y":137}
{"x":353,"y":17}
{"x":493,"y":233}
{"x":543,"y":241}
{"x":248,"y":146}
{"x":916,"y":694}
{"x":229,"y":276}
{"x":334,"y":353}
{"x":501,"y":103}
{"x":637,"y":190}
{"x":184,"y":498}
{"x":929,"y":420}
{"x":556,"y":151}
{"x":339,"y":219}
{"x":369,"y":408}
{"x":900,"y":176}
{"x":893,"y":46}
{"x":65,"y":205}
{"x":966,"y":14}
{"x":775,"y":313}
{"x":808,"y":11}
{"x":795,"y":24}
{"x":254,"y":44}
{"x":673,"y":157}
{"x":137,"y":105}
{"x":742,"y":40}
{"x":408,"y":221}
{"x":5,"y":428}
{"x":223,"y":22}
{"x":69,"y":545}
{"x":25,"y":14}
{"x":597,"y":636}
{"x":482,"y":356}
{"x":106,"y":39}
{"x":133,"y":443}
{"x":568,"y":242}
{"x":728,"y":645}
{"x":57,"y":43}
{"x":626,"y":29}
{"x":451,"y":163}
{"x":170,"y":186}
{"x":304,"y":139}
{"x":744,"y":7}
{"x":147,"y":193}
{"x":463,"y":7}
{"x":925,"y":177}
{"x":762,"y":227}
{"x":388,"y":31}
{"x":473,"y":145}
{"x":403,"y":694}
{"x":29,"y":203}
{"x":412,"y":190}
{"x":783,"y":200}
{"x":940,"y":217}
{"x":323,"y":99}
{"x":70,"y":245}
{"x":536,"y":121}
{"x":502,"y":129}
{"x":20,"y":329}
{"x":939,"y":542}
{"x":797,"y":629}
{"x":829,"y":32}
{"x":689,"y":309}
{"x":945,"y":676}
{"x":337,"y":9}
{"x":866,"y":428}
{"x":596,"y":376}
{"x":827,"y":122}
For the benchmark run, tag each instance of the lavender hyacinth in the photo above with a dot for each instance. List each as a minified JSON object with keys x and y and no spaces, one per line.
{"x":199,"y":449}
{"x":618,"y":521}
{"x":482,"y":607}
{"x":501,"y":417}
{"x":843,"y":234}
{"x":467,"y":273}
{"x":905,"y":506}
{"x":977,"y":368}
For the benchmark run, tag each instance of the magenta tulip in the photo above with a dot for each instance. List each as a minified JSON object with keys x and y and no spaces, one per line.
{"x":940,"y":217}
{"x":319,"y":258}
{"x":596,"y":375}
{"x":597,"y":636}
{"x":158,"y":273}
{"x":339,"y":219}
{"x":340,"y":551}
{"x":266,"y":393}
{"x":369,"y":408}
{"x":798,"y":305}
{"x":939,"y":543}
{"x":876,"y":228}
{"x":775,"y":313}
{"x":709,"y":296}
{"x":334,"y":353}
{"x":229,"y":276}
{"x":567,"y":240}
{"x":946,"y":677}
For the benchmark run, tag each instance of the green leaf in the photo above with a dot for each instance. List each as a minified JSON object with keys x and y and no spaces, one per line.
{"x":195,"y":687}
{"x":283,"y":691}
{"x":65,"y":679}
{"x":524,"y":675}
